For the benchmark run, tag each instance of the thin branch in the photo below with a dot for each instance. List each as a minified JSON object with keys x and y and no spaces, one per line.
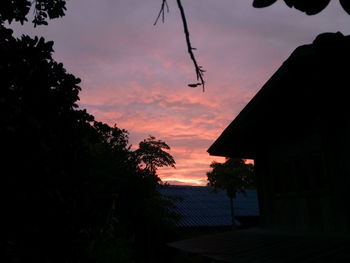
{"x":162,"y":11}
{"x":199,"y":70}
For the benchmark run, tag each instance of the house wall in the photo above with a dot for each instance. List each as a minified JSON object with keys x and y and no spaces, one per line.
{"x":337,"y":145}
{"x":304,"y":183}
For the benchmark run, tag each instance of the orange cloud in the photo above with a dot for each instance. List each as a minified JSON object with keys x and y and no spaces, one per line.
{"x":189,"y":124}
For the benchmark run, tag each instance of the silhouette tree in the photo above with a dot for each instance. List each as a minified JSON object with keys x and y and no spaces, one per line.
{"x":71,"y":189}
{"x":152,"y":155}
{"x":18,"y":10}
{"x":234,"y":175}
{"x":41,"y":134}
{"x":310,"y":7}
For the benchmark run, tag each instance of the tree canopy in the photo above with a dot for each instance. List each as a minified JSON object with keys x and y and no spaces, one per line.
{"x":151,"y":154}
{"x":72,"y":189}
{"x":18,"y":10}
{"x":309,"y":7}
{"x":233,"y":176}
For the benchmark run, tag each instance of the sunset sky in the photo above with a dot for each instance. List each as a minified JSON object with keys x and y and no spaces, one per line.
{"x":135,"y":74}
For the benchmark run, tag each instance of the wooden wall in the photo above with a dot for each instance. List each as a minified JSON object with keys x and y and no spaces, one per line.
{"x":304,"y":183}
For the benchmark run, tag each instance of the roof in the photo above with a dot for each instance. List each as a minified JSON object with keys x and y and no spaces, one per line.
{"x":264,"y":246}
{"x":299,"y":91}
{"x":200,"y":206}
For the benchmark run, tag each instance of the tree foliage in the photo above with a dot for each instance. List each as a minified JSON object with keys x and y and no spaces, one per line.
{"x":71,"y":187}
{"x":152,"y":155}
{"x":234,"y":175}
{"x":310,"y":7}
{"x":18,"y":10}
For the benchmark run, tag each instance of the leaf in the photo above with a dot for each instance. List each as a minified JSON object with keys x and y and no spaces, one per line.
{"x":194,"y":85}
{"x":263,"y":3}
{"x":345,"y":5}
{"x":310,"y":7}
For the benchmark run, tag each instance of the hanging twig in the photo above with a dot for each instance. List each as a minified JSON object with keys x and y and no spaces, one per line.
{"x":162,"y":11}
{"x":199,"y":70}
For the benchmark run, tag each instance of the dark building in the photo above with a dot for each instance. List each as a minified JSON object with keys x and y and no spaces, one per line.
{"x":296,"y":129}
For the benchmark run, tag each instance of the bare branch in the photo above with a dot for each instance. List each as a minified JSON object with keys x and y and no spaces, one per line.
{"x":199,"y":70}
{"x":162,"y":11}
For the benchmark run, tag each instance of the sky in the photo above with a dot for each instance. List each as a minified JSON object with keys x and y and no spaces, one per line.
{"x":135,"y":74}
